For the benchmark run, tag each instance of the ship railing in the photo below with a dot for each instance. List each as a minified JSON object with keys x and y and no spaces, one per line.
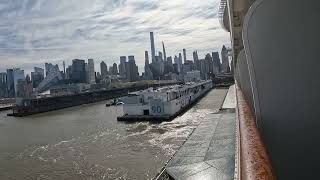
{"x":252,"y":160}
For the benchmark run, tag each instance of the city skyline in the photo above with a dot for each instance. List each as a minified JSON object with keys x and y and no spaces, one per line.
{"x":31,"y":44}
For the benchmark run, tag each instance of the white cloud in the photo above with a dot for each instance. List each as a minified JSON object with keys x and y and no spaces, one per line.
{"x":36,"y":31}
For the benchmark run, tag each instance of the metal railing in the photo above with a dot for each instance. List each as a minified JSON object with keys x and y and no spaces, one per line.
{"x":254,"y":162}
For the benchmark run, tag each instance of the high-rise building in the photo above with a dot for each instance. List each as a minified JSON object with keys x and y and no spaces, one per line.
{"x":114,"y":69}
{"x":10,"y":83}
{"x":148,"y":75}
{"x":37,"y":76}
{"x":153,"y":50}
{"x":122,"y":67}
{"x":3,"y":85}
{"x":103,"y":69}
{"x":78,"y":74}
{"x":18,"y":75}
{"x":132,"y":69}
{"x":216,"y":62}
{"x":184,"y":56}
{"x":91,"y":72}
{"x":48,"y":68}
{"x":164,"y":52}
{"x":160,"y":56}
{"x":225,"y":60}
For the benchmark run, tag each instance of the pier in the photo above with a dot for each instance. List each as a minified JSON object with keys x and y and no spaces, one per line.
{"x":210,"y":151}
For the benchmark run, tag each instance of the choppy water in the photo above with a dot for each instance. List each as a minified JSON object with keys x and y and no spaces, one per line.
{"x":87,"y":142}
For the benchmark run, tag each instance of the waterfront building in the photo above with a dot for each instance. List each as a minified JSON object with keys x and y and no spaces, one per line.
{"x":78,"y":74}
{"x":24,"y":88}
{"x":90,"y":72}
{"x":153,"y":50}
{"x":53,"y":78}
{"x":103,"y":69}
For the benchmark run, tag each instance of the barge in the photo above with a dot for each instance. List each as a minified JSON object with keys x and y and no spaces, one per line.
{"x":162,"y":104}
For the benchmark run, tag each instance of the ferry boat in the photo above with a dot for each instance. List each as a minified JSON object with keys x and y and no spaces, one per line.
{"x":162,"y":104}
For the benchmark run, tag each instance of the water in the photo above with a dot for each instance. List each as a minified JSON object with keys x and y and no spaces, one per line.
{"x":87,"y":142}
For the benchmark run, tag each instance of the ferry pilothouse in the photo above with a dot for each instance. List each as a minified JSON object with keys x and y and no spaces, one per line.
{"x":163,"y":103}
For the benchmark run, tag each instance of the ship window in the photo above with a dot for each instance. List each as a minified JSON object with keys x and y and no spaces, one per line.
{"x":146,"y":112}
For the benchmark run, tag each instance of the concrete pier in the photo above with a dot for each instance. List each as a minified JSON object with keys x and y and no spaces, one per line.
{"x":209,"y":152}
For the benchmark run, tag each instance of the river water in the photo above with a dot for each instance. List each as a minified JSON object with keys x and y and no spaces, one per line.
{"x":87,"y":142}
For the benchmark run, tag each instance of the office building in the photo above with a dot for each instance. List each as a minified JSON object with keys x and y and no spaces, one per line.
{"x":225,"y":60}
{"x":37,"y":76}
{"x":122,"y":67}
{"x":10,"y":83}
{"x":3,"y":85}
{"x":18,"y":75}
{"x":103,"y":69}
{"x":216,"y":62}
{"x":78,"y":73}
{"x":90,"y":72}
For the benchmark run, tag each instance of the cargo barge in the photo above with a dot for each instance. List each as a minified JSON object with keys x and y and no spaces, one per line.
{"x":162,"y":104}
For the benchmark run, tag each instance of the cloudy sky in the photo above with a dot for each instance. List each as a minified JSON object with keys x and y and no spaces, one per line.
{"x":36,"y":31}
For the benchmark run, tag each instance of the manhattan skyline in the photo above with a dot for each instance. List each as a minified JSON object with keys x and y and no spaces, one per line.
{"x":35,"y":32}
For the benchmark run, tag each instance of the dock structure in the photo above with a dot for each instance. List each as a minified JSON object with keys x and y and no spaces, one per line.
{"x":210,"y":151}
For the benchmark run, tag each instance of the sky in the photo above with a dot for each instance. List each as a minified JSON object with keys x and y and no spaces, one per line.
{"x":36,"y":31}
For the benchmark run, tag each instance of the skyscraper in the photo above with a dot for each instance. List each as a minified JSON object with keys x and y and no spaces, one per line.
{"x":184,"y":56}
{"x":91,"y":72}
{"x":216,"y":62}
{"x":78,"y":74}
{"x":48,"y":68}
{"x":37,"y":76}
{"x":10,"y":83}
{"x":153,"y":50}
{"x":122,"y":67}
{"x":132,"y":69}
{"x":103,"y":69}
{"x":3,"y":85}
{"x":225,"y":60}
{"x":18,"y":75}
{"x":160,"y":56}
{"x":114,"y":69}
{"x":147,"y":71}
{"x":164,"y":52}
